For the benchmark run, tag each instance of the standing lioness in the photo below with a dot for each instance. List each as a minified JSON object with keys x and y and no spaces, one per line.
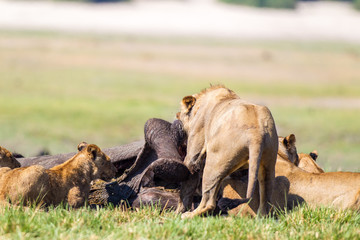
{"x":228,"y":132}
{"x":68,"y":182}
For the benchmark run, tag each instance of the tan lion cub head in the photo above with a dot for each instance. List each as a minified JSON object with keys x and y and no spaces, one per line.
{"x":105,"y":169}
{"x":7,"y":159}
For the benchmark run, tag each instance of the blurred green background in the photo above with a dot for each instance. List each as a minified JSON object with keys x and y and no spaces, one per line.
{"x":57,"y":90}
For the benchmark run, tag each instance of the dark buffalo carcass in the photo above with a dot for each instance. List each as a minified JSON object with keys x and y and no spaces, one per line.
{"x":158,"y":164}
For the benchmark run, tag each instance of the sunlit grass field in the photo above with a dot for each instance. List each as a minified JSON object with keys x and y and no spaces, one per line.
{"x":57,"y":90}
{"x":150,"y":223}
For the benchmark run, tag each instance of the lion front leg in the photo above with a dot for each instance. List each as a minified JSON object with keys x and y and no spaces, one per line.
{"x":76,"y":198}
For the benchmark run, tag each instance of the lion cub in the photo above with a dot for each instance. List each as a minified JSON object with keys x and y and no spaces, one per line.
{"x":7,"y":159}
{"x":68,"y":182}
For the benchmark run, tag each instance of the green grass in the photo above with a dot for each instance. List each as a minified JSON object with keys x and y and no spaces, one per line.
{"x":150,"y":223}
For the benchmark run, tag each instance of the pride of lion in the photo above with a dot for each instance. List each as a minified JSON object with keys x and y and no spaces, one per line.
{"x":236,"y":160}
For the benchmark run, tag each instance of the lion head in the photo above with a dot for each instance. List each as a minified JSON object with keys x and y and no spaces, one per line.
{"x":189,"y":105}
{"x":105,"y":169}
{"x":287,"y":148}
{"x":7,"y":159}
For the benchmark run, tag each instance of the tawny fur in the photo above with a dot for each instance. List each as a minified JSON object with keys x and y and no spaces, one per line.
{"x":227,"y":131}
{"x":337,"y":189}
{"x":7,"y":159}
{"x":68,"y":182}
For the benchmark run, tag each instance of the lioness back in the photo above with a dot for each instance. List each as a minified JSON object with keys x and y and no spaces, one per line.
{"x":248,"y":116}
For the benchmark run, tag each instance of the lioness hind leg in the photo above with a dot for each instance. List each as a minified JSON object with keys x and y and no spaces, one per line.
{"x":266,"y":180}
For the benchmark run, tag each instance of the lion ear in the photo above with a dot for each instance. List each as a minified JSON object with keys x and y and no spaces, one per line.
{"x":314,"y":155}
{"x":188,"y":102}
{"x":290,"y":140}
{"x":81,"y":146}
{"x":93,"y":150}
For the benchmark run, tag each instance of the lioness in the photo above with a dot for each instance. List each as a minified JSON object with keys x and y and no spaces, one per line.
{"x":7,"y":159}
{"x":308,"y":163}
{"x":337,"y":189}
{"x":227,"y":131}
{"x":68,"y":182}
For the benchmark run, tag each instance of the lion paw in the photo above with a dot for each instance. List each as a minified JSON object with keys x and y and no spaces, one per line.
{"x":187,"y":215}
